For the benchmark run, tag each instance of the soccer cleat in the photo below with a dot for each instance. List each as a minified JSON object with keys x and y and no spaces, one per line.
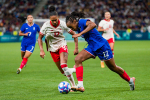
{"x":102,"y":64}
{"x":18,"y":70}
{"x":76,"y":88}
{"x":132,"y":84}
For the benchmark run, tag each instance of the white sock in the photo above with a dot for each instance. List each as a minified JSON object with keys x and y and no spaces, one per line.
{"x":131,"y":80}
{"x":69,"y":75}
{"x":72,"y":70}
{"x":80,"y":83}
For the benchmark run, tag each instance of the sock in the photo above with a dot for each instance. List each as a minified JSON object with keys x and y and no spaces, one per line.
{"x":72,"y":70}
{"x":68,"y":73}
{"x":80,"y":84}
{"x":125,"y":76}
{"x":24,"y":61}
{"x":79,"y":75}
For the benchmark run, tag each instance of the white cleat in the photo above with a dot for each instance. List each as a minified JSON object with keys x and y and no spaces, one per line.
{"x":132,"y":84}
{"x":18,"y":70}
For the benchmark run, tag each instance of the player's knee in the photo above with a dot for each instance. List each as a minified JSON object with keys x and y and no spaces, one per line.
{"x":78,"y":59}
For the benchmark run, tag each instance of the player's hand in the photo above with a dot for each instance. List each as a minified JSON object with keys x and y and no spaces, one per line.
{"x":26,"y":34}
{"x":76,"y":51}
{"x":76,"y":35}
{"x":106,"y":29}
{"x":42,"y":54}
{"x":117,"y":35}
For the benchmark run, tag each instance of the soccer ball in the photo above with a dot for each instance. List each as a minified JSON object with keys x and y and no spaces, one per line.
{"x":64,"y":87}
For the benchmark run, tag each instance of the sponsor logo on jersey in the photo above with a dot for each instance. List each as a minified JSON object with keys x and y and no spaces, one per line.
{"x":33,"y":28}
{"x":26,"y":28}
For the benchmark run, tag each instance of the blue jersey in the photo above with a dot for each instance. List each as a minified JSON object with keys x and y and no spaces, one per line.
{"x":93,"y":37}
{"x":31,"y":38}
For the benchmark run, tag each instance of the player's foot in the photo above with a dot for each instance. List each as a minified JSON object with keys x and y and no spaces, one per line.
{"x":18,"y":70}
{"x":102,"y":64}
{"x":76,"y":88}
{"x":132,"y":84}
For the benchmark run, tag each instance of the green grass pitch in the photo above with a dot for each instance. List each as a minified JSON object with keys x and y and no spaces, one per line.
{"x":40,"y":79}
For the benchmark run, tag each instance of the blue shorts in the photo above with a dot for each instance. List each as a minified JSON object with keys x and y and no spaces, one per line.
{"x":104,"y":53}
{"x":25,"y":47}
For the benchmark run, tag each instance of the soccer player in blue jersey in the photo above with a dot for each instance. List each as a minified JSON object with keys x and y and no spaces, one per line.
{"x":97,"y":46}
{"x":28,"y":31}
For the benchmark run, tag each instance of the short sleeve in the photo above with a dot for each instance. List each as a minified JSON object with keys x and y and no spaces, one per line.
{"x":82,"y":22}
{"x":100,"y":23}
{"x":38,"y":28}
{"x":42,"y":31}
{"x":22,"y":29}
{"x":65,"y":27}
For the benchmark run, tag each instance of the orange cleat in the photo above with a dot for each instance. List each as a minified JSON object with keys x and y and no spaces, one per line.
{"x":102,"y":64}
{"x":75,"y":88}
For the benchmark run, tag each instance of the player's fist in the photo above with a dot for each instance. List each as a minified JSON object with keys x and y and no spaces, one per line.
{"x":26,"y":34}
{"x":76,"y":35}
{"x":42,"y":54}
{"x":76,"y":51}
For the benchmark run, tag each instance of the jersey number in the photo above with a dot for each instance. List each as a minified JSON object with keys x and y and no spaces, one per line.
{"x":106,"y":55}
{"x":29,"y":33}
{"x":56,"y":34}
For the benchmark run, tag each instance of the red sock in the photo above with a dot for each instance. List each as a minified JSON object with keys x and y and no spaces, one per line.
{"x":79,"y":73}
{"x":63,"y":65}
{"x":24,"y":61}
{"x":125,"y":76}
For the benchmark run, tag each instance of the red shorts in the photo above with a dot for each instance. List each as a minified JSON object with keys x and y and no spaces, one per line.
{"x":56,"y":55}
{"x":111,"y":40}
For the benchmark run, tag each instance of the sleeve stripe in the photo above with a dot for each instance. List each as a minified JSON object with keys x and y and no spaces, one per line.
{"x":70,"y":31}
{"x":41,"y":33}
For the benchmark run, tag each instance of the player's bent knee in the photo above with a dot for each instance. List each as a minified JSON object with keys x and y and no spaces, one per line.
{"x":78,"y":59}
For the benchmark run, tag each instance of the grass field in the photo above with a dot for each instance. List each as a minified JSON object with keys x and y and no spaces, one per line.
{"x":40,"y":79}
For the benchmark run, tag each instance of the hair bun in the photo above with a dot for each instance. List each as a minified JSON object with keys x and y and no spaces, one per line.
{"x":51,"y":9}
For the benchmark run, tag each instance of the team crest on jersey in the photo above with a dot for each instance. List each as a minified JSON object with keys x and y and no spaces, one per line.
{"x":33,"y":28}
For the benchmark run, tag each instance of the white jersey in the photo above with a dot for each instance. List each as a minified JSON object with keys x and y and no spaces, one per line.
{"x":54,"y":35}
{"x":107,"y":24}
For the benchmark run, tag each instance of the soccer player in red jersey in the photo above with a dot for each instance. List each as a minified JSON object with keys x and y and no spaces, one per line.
{"x":56,"y":43}
{"x":106,"y":26}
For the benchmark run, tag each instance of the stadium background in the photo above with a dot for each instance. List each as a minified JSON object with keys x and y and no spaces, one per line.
{"x":132,"y":19}
{"x":39,"y":80}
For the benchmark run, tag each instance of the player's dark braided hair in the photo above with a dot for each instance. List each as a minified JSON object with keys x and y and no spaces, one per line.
{"x":52,"y":11}
{"x":74,"y":16}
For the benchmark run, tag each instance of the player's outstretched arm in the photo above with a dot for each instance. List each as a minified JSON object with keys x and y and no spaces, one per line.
{"x":40,"y":42}
{"x":23,"y":34}
{"x":100,"y":29}
{"x":116,"y":33}
{"x":90,"y":25}
{"x":76,"y":51}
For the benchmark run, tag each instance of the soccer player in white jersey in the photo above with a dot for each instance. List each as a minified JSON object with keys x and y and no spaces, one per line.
{"x":56,"y":43}
{"x":106,"y":26}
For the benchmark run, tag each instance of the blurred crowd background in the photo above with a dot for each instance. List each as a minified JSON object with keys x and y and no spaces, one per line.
{"x":133,"y":14}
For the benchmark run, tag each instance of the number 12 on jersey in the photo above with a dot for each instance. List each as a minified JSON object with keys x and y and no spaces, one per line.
{"x":56,"y":34}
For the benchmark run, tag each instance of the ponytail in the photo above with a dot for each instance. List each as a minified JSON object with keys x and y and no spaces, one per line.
{"x":52,"y":11}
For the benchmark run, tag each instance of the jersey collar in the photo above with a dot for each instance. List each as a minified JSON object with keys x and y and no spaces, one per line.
{"x":57,"y":24}
{"x":107,"y":20}
{"x":29,"y":25}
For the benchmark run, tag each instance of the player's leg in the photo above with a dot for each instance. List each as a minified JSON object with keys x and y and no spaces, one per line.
{"x":112,"y":47}
{"x":112,"y":66}
{"x":63,"y":62}
{"x":29,"y":51}
{"x":82,"y":56}
{"x":22,"y":54}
